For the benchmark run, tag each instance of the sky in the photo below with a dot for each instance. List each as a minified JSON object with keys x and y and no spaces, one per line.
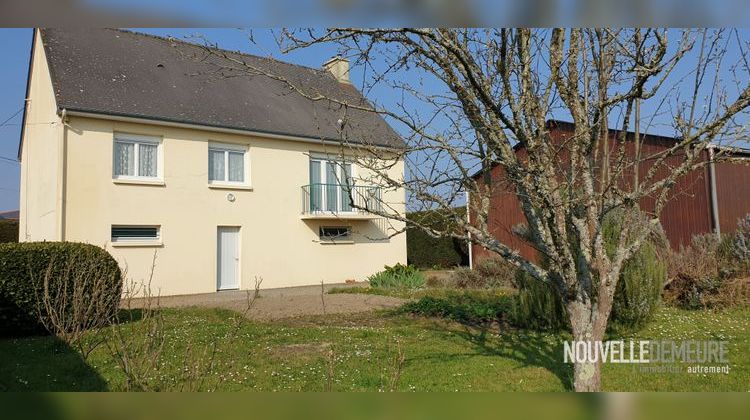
{"x":14,"y":47}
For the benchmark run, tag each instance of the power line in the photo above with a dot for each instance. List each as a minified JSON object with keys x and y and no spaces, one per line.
{"x":4,"y":159}
{"x":11,"y":117}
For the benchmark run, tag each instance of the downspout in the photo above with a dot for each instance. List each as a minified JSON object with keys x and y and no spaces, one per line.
{"x":468,"y":234}
{"x":62,"y":173}
{"x":712,"y":186}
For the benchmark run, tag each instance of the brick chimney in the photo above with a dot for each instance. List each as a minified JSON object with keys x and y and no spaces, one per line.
{"x":339,"y":67}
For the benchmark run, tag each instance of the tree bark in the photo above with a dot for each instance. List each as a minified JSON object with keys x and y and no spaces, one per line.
{"x":586,"y":375}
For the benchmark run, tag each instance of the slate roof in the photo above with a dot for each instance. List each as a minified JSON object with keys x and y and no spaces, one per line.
{"x":124,"y":73}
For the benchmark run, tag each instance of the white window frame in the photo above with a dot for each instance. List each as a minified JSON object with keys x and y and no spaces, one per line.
{"x":226,"y":148}
{"x":136,"y":140}
{"x":324,"y":159}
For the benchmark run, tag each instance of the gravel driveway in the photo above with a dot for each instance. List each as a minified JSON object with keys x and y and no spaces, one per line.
{"x":286,"y":302}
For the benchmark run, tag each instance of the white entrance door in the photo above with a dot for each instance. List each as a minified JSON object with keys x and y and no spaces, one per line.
{"x":228,"y":258}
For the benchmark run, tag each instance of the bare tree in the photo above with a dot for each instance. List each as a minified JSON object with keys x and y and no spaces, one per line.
{"x":470,"y":100}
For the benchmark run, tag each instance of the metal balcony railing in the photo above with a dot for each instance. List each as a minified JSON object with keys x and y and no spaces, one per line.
{"x":339,"y":199}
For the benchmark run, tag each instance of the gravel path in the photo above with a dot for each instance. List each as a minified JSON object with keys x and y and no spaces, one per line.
{"x":286,"y":302}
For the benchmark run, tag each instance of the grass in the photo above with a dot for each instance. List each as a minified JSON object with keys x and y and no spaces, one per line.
{"x":436,"y":292}
{"x":360,"y":353}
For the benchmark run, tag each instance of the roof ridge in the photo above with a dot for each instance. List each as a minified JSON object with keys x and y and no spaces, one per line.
{"x":242,"y":53}
{"x":616,"y":130}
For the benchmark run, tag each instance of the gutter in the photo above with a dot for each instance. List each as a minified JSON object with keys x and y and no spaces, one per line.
{"x":712,"y":188}
{"x":220,"y":129}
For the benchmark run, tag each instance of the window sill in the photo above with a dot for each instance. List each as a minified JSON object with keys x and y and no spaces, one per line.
{"x":132,"y":181}
{"x":223,"y":186}
{"x":342,"y":242}
{"x":138,"y":244}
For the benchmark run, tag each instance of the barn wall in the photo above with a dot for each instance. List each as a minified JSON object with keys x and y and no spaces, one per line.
{"x":687,"y":212}
{"x":733,"y":193}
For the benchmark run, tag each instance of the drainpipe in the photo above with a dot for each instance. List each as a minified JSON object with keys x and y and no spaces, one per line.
{"x":468,"y":234}
{"x":712,"y":186}
{"x":62,"y":174}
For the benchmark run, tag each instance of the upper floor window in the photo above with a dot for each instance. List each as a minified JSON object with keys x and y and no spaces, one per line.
{"x":227,"y":164}
{"x":137,"y":156}
{"x":331,"y":184}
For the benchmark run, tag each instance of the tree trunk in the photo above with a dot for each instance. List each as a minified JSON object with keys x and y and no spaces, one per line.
{"x":586,"y":375}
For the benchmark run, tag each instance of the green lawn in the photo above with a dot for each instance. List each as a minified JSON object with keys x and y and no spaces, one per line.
{"x":360,"y":353}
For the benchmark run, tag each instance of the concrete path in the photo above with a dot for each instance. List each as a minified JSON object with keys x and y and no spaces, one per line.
{"x":286,"y":302}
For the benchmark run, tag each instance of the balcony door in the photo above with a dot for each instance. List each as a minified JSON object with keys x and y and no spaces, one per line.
{"x":330,"y":185}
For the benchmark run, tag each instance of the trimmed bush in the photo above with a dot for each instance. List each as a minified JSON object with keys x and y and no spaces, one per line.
{"x":398,"y":276}
{"x":424,"y":251}
{"x":8,"y":230}
{"x":488,"y":273}
{"x":57,"y":286}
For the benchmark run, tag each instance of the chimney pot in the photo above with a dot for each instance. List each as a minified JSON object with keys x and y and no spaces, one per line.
{"x":339,"y":67}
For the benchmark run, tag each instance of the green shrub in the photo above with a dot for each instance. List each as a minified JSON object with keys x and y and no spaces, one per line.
{"x":638,"y":290}
{"x":638,"y":293}
{"x":398,"y":276}
{"x":537,"y":305}
{"x":56,"y":285}
{"x":465,"y":307}
{"x":424,"y":251}
{"x":8,"y":230}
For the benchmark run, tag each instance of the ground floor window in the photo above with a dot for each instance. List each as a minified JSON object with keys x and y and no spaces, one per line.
{"x":335,"y":233}
{"x":125,"y":233}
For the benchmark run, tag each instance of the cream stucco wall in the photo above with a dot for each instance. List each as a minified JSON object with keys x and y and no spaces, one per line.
{"x":41,"y":154}
{"x":276,"y":244}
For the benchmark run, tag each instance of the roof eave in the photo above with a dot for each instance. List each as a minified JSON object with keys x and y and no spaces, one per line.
{"x":28,"y":90}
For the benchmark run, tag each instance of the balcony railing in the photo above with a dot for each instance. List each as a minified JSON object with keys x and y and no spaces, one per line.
{"x":341,"y":201}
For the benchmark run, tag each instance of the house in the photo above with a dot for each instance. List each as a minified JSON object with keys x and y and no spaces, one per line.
{"x":201,"y":180}
{"x":710,"y":199}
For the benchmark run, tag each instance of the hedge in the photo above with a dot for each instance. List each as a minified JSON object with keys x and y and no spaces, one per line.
{"x":424,"y":251}
{"x":8,"y":230}
{"x":24,"y":266}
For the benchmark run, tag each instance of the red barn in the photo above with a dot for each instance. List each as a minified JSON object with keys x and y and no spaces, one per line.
{"x":705,"y":200}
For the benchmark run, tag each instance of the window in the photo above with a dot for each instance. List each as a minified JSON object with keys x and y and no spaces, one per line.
{"x":227,"y":164}
{"x":331,"y":183}
{"x":335,"y":233}
{"x":136,"y":157}
{"x":135,"y":233}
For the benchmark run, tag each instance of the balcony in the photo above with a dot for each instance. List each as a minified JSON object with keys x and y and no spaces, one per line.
{"x":337,"y":201}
